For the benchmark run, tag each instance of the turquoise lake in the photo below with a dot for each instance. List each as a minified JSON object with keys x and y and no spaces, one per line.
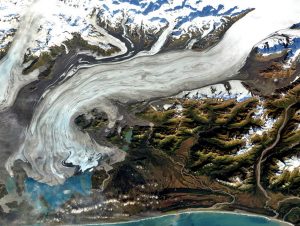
{"x":200,"y":219}
{"x":57,"y":195}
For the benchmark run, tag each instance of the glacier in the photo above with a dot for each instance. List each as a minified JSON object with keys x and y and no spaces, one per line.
{"x":52,"y":142}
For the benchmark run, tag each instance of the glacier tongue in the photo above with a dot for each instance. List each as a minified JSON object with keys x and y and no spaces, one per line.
{"x":52,"y":136}
{"x":51,"y":23}
{"x":12,"y":79}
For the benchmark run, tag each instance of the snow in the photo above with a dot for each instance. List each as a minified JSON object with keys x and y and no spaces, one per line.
{"x":248,"y":144}
{"x":62,"y":18}
{"x":236,"y":91}
{"x":52,"y":136}
{"x":282,"y":40}
{"x":260,"y":113}
{"x":268,"y":121}
{"x":167,"y":106}
{"x":289,"y":164}
{"x":10,"y":13}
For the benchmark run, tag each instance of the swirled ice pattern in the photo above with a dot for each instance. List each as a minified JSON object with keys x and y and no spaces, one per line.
{"x":41,"y":24}
{"x":53,"y":138}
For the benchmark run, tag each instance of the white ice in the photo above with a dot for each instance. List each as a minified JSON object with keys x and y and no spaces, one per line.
{"x":52,"y":136}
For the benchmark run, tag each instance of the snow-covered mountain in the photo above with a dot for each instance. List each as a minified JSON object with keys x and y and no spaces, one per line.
{"x":274,"y":61}
{"x":284,"y":43}
{"x":189,"y":21}
{"x":10,"y":13}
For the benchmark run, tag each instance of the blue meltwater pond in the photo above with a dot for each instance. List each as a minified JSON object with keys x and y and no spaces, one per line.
{"x":45,"y":197}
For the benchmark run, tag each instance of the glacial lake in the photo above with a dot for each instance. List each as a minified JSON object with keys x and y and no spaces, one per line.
{"x":200,"y":219}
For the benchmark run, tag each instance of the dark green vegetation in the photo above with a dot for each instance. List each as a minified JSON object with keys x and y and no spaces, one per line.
{"x":290,"y":210}
{"x":92,"y":120}
{"x":216,"y":127}
{"x":287,"y":182}
{"x":187,"y":153}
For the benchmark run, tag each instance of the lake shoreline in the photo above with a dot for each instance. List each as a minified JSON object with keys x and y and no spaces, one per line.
{"x":193,"y":211}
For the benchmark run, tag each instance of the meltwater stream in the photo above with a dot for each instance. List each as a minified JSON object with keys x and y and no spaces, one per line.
{"x":52,"y":136}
